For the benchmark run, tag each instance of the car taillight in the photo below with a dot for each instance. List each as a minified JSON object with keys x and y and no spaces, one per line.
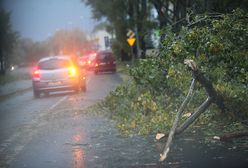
{"x":36,"y":73}
{"x":72,"y":71}
{"x":96,"y":65}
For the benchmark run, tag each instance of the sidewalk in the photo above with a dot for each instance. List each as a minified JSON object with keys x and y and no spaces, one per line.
{"x":14,"y":87}
{"x":18,"y":85}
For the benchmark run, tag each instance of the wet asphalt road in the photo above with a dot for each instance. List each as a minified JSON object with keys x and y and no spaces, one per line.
{"x":59,"y":131}
{"x":45,"y":132}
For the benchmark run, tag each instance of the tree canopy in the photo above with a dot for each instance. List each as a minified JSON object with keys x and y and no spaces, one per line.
{"x":8,"y":38}
{"x":158,"y":84}
{"x":146,"y":16}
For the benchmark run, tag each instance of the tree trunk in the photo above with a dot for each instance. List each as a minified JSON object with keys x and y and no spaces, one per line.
{"x":2,"y":63}
{"x":207,"y":84}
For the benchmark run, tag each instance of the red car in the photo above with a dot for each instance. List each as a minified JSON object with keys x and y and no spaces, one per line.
{"x":105,"y":62}
{"x":88,"y":61}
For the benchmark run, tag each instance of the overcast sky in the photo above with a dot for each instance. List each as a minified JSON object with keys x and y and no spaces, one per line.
{"x":39,"y":19}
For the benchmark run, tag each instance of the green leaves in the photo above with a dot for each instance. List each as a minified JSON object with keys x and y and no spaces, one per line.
{"x":219,"y":47}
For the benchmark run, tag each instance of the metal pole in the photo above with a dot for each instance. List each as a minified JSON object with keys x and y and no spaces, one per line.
{"x":132,"y":55}
{"x":137,"y":41}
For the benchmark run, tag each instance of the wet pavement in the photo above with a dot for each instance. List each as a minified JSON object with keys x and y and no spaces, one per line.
{"x":66,"y":130}
{"x":16,"y":86}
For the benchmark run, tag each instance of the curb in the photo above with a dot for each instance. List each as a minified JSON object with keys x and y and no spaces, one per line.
{"x":6,"y":96}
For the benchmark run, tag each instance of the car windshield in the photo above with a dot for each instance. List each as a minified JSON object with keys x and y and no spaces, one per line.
{"x":54,"y":64}
{"x":91,"y":57}
{"x":104,"y":57}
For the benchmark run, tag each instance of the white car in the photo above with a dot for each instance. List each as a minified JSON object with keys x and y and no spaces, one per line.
{"x":57,"y":73}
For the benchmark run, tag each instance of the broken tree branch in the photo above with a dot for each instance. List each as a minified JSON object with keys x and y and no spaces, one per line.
{"x":231,"y":136}
{"x":203,"y":107}
{"x":206,"y":83}
{"x":213,"y":97}
{"x":179,"y":113}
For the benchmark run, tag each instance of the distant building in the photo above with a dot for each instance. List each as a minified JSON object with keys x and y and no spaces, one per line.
{"x":103,"y":39}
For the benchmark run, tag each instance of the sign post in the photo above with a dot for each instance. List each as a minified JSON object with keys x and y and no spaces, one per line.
{"x":131,"y":40}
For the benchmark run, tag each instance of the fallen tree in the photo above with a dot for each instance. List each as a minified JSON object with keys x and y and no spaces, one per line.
{"x":212,"y":97}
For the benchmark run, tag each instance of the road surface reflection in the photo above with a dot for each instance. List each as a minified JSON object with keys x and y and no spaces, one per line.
{"x":78,"y":152}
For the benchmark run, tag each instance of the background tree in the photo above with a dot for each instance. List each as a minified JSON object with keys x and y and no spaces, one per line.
{"x":20,"y":51}
{"x":70,"y":42}
{"x":122,"y":16}
{"x":176,"y":12}
{"x":7,"y":40}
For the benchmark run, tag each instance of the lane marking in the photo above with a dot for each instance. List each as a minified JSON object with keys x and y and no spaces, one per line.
{"x":8,"y":142}
{"x":57,"y":103}
{"x":19,"y":147}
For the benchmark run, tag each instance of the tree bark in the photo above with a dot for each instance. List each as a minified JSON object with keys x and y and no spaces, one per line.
{"x":208,"y":86}
{"x":2,"y":63}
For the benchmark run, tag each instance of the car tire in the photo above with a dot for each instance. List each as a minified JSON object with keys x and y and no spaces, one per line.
{"x":47,"y":94}
{"x":77,"y":88}
{"x":36,"y":94}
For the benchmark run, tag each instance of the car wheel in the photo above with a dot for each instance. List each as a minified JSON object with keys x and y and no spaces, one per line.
{"x":83,"y":85}
{"x":47,"y":93}
{"x":36,"y":94}
{"x":77,"y":88}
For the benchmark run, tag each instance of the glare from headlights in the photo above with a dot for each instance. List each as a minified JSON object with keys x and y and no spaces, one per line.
{"x":72,"y":72}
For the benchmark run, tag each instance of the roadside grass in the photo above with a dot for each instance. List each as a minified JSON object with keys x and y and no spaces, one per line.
{"x":11,"y":77}
{"x":121,"y":106}
{"x":131,"y":121}
{"x":123,"y":67}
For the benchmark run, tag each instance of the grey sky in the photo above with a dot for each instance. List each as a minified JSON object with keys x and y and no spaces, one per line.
{"x":38,"y":19}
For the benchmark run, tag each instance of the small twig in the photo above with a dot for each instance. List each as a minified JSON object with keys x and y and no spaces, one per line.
{"x":231,"y":136}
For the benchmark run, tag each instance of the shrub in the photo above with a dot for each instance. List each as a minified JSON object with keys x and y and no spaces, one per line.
{"x":219,"y":47}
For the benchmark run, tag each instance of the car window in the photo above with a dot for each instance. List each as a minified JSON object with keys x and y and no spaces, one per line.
{"x":91,"y":57}
{"x":54,"y":64}
{"x":104,"y":57}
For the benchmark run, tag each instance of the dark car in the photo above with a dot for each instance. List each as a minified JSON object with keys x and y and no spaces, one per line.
{"x":57,"y":73}
{"x":105,"y":62}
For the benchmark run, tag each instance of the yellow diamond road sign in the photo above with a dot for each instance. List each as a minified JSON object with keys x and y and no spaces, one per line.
{"x":131,"y":41}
